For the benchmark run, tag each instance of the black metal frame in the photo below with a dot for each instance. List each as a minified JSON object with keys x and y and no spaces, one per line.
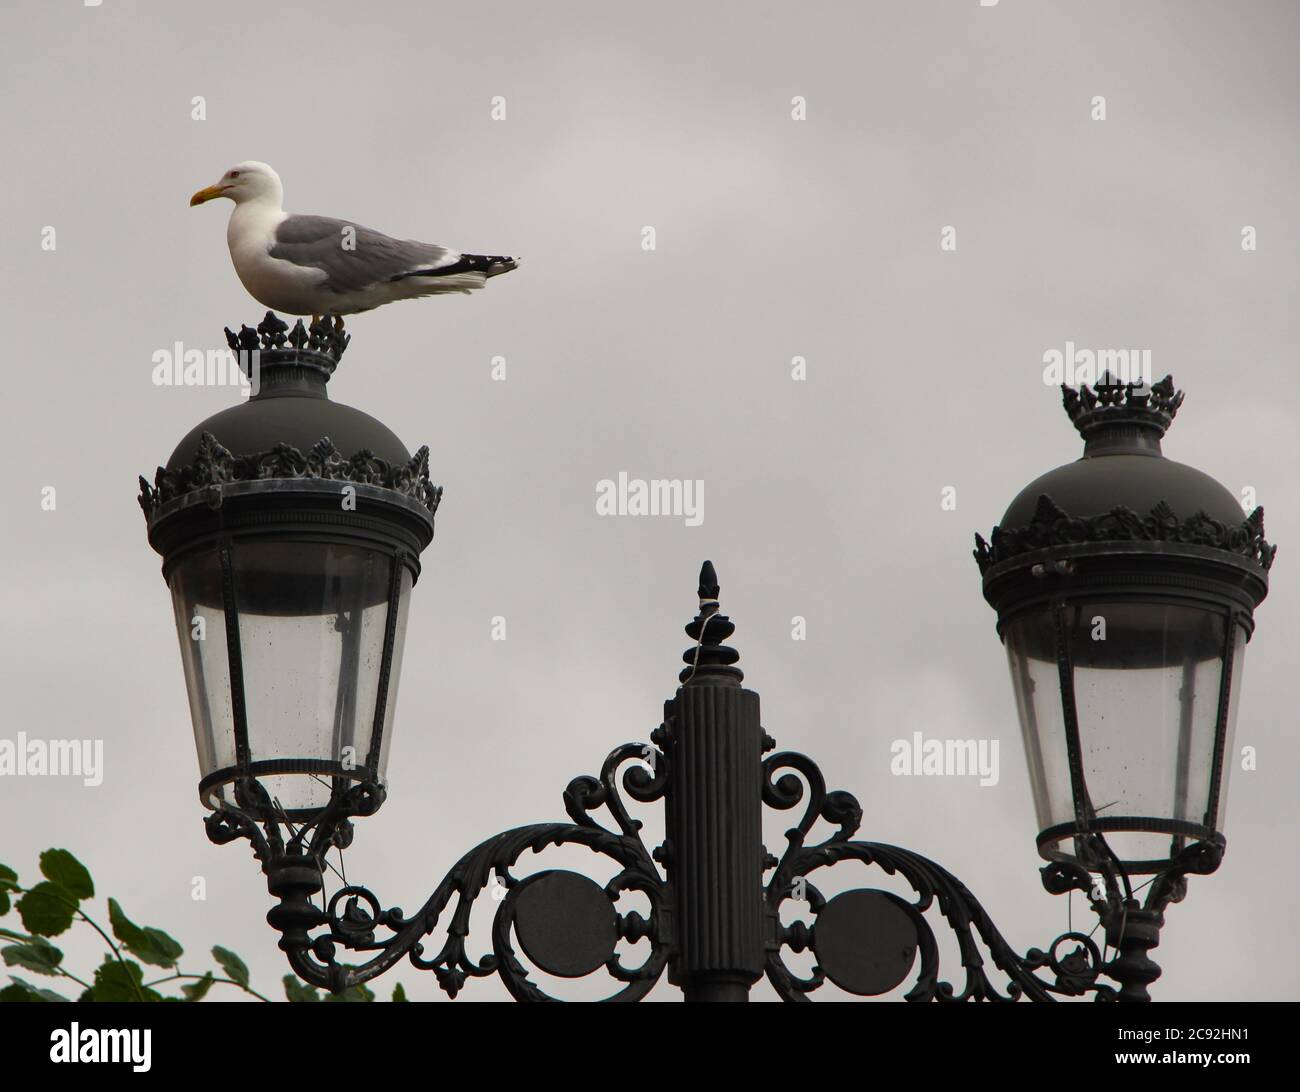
{"x":713,"y":922}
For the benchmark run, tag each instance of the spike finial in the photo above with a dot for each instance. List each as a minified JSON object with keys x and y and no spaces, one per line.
{"x":709,"y":587}
{"x":710,"y":662}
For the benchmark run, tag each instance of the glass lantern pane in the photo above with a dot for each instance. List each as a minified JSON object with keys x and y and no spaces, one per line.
{"x":1036,"y":684}
{"x":312,"y":621}
{"x":1229,"y":748}
{"x":311,"y":630}
{"x":201,"y":630}
{"x":1146,"y":679}
{"x":399,"y":642}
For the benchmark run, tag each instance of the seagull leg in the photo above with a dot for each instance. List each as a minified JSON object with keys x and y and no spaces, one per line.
{"x":315,"y":319}
{"x":338,"y":324}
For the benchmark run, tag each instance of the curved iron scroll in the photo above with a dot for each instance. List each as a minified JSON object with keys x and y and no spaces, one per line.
{"x":1075,"y":971}
{"x":355,"y":920}
{"x":575,"y":926}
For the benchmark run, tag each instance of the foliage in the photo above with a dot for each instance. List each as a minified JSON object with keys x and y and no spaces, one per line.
{"x":52,"y":906}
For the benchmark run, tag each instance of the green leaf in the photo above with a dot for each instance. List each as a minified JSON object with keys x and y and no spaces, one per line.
{"x":152,"y":945}
{"x":195,"y":991}
{"x":399,"y":994}
{"x":61,"y":867}
{"x":8,"y":879}
{"x":353,"y":993}
{"x":39,"y":956}
{"x":121,"y":981}
{"x":234,"y":967}
{"x":16,"y":993}
{"x":47,"y":909}
{"x":38,"y":994}
{"x":298,"y":991}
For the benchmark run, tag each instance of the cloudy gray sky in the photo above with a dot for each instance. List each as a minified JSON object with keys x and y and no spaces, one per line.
{"x":775,"y":238}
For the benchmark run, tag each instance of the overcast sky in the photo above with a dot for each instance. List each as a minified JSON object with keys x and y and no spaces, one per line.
{"x":775,"y":238}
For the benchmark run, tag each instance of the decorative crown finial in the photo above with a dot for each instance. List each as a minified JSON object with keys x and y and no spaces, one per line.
{"x":320,"y":345}
{"x":1111,"y":402}
{"x":710,"y":662}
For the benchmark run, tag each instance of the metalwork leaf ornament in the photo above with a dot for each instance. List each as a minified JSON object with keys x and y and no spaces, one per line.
{"x":275,"y":340}
{"x":1052,"y":526}
{"x":214,"y":466}
{"x":1112,"y":400}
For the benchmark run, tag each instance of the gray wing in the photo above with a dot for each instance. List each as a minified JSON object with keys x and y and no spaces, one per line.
{"x":353,"y":257}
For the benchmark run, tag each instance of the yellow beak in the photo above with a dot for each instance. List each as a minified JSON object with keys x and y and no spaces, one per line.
{"x":206,"y":195}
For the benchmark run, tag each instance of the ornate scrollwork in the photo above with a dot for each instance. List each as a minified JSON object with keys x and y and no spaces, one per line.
{"x":1075,"y":971}
{"x":354,"y":919}
{"x":865,"y":940}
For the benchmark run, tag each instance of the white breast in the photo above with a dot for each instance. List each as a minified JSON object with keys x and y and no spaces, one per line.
{"x":273,"y":282}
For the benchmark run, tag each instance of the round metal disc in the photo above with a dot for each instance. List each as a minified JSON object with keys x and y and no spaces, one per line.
{"x":565,"y":924}
{"x":865,"y":941}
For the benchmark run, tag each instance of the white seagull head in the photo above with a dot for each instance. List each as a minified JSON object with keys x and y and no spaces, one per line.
{"x":247,"y":181}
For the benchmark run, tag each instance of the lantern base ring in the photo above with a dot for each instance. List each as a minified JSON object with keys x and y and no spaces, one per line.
{"x":342,"y":778}
{"x":1185,"y":832}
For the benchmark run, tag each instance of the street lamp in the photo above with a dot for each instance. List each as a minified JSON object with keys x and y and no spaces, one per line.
{"x":291,"y":528}
{"x":291,"y":566}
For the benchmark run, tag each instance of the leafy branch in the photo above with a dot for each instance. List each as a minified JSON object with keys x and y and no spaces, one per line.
{"x":50,"y":908}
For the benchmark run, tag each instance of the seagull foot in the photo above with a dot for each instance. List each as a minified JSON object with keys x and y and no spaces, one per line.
{"x":338,"y":324}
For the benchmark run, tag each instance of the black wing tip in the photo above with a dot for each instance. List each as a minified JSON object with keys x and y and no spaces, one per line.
{"x":493,"y":264}
{"x":490,"y":265}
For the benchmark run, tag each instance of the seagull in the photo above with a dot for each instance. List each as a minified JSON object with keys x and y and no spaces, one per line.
{"x":315,"y":265}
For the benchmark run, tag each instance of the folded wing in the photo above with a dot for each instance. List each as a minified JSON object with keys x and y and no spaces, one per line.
{"x":355,"y":257}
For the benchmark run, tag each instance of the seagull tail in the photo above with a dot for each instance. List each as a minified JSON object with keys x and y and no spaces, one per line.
{"x":490,"y":265}
{"x":468,"y":272}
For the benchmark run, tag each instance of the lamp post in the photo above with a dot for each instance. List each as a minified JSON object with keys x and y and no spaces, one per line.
{"x":1125,"y":586}
{"x":291,"y":565}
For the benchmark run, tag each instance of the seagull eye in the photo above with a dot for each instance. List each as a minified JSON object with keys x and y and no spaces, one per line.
{"x":234,"y":174}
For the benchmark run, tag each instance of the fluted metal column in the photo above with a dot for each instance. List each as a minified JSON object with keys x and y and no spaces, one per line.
{"x":714,"y":856}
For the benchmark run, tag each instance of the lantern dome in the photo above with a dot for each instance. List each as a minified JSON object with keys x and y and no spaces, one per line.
{"x":1122,"y":464}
